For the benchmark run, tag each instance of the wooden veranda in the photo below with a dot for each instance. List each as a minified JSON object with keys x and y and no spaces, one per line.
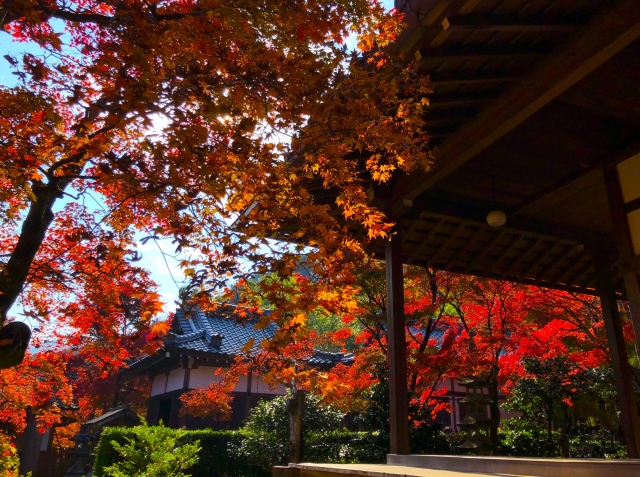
{"x":536,"y":113}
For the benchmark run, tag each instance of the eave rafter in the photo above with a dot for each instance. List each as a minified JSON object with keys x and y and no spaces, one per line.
{"x":607,"y":34}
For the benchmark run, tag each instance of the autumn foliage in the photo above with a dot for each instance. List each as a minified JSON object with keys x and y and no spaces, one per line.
{"x":165,"y":122}
{"x":456,"y":326}
{"x":209,"y":127}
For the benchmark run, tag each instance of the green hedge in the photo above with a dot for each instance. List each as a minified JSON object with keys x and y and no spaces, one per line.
{"x":219,"y":455}
{"x":215,"y":458}
{"x":346,"y":447}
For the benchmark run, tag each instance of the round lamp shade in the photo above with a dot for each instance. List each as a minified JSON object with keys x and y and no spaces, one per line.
{"x":496,"y":218}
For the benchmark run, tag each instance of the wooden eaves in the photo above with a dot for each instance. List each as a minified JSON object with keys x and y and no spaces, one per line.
{"x":506,"y":137}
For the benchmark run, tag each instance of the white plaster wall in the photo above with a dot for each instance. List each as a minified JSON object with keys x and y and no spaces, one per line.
{"x":44,"y":443}
{"x":241,"y":387}
{"x":259,"y":386}
{"x":203,"y":376}
{"x":157,"y":387}
{"x":458,"y":388}
{"x":176,"y":379}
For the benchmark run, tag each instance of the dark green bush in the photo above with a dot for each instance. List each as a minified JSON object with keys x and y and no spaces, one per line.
{"x":346,"y":447}
{"x":519,"y":438}
{"x":153,"y":452}
{"x":594,"y":442}
{"x":266,"y":432}
{"x":429,"y":439}
{"x":214,"y":458}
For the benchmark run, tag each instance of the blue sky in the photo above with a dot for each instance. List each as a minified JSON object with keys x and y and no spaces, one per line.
{"x":164,"y":270}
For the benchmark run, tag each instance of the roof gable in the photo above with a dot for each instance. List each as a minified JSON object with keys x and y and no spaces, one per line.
{"x":219,"y":335}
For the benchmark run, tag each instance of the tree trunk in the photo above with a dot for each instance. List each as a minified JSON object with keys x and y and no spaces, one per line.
{"x":295,"y":406}
{"x":32,"y":234}
{"x":494,"y":408}
{"x":565,"y":443}
{"x":32,"y":439}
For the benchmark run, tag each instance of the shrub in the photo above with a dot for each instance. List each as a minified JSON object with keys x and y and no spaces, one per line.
{"x":594,"y":442}
{"x":152,"y":452}
{"x":346,"y":447}
{"x":214,"y":458}
{"x":519,"y":438}
{"x":9,"y":462}
{"x":429,"y":439}
{"x":266,"y":432}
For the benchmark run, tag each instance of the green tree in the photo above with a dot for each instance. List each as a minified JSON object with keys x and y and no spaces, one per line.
{"x":544,"y":395}
{"x":267,"y":429}
{"x":154,"y":452}
{"x":9,"y":462}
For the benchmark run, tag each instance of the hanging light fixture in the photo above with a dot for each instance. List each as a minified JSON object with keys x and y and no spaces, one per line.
{"x":496,"y":218}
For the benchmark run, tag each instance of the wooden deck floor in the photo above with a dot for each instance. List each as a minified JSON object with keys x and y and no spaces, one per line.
{"x":381,"y":470}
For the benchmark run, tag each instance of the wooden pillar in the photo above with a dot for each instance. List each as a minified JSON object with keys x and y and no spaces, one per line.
{"x":396,"y":346}
{"x":187,"y":366}
{"x":295,"y":406}
{"x":629,"y":418}
{"x":624,"y":245}
{"x":30,"y":454}
{"x":247,"y":398}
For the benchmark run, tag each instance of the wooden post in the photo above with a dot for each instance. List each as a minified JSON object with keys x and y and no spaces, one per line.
{"x":247,"y":400}
{"x":396,"y":346}
{"x":629,"y":418}
{"x":295,"y":406}
{"x":624,"y":245}
{"x":32,"y":441}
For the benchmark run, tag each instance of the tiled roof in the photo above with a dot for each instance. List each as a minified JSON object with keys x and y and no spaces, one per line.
{"x":219,"y":334}
{"x":199,"y":333}
{"x":113,"y":414}
{"x":325,"y":358}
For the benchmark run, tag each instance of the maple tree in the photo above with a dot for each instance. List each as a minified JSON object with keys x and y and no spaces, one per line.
{"x":493,"y":315}
{"x":168,"y":120}
{"x":226,"y":83}
{"x":459,"y":326}
{"x":456,"y":326}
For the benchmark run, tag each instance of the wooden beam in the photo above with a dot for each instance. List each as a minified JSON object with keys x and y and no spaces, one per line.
{"x":456,"y":79}
{"x":521,"y":258}
{"x":585,"y":276}
{"x":485,"y":250}
{"x":511,"y":23}
{"x":468,"y":6}
{"x":624,"y":244}
{"x":465,"y":248}
{"x":422,"y":24}
{"x":418,"y":250}
{"x":566,"y":270}
{"x":564,"y":254}
{"x":607,"y":34}
{"x":441,"y":36}
{"x":398,"y":401}
{"x":410,"y":230}
{"x":540,"y":260}
{"x":610,"y":160}
{"x":431,"y":18}
{"x":446,"y":245}
{"x":632,"y":206}
{"x":568,"y":181}
{"x":505,"y":252}
{"x":448,"y":117}
{"x":479,"y":53}
{"x":465,"y":208}
{"x":622,"y":372}
{"x":461,"y":99}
